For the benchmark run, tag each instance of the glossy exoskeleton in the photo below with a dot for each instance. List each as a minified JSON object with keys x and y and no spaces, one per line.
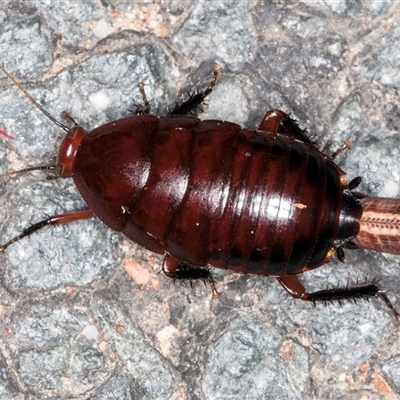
{"x":211,"y":193}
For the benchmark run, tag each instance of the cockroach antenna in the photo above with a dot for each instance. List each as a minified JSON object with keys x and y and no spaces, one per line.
{"x":32,"y":100}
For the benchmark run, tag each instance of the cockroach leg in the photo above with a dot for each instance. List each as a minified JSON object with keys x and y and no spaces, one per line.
{"x":196,"y":98}
{"x":5,"y":134}
{"x":175,"y":269}
{"x":145,"y":108}
{"x":385,"y":299}
{"x":290,"y":127}
{"x":271,"y":121}
{"x":276,"y":121}
{"x":291,"y":284}
{"x":346,"y":145}
{"x":66,"y":115}
{"x":54,"y":220}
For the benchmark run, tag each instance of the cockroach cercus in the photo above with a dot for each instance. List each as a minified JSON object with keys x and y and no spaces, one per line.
{"x":210,"y":193}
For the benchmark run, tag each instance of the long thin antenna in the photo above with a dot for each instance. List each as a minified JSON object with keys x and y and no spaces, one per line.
{"x":19,"y":86}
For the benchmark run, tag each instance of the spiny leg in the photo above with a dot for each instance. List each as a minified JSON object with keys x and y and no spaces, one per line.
{"x":291,"y":284}
{"x":175,"y":269}
{"x":145,"y":108}
{"x":54,"y":220}
{"x":346,"y":145}
{"x":276,"y":121}
{"x":197,"y":98}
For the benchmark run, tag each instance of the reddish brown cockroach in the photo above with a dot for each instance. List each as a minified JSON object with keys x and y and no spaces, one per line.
{"x":210,"y":193}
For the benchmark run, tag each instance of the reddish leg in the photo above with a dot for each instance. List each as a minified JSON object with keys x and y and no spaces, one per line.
{"x":6,"y":134}
{"x":55,"y":220}
{"x":271,"y":121}
{"x":276,"y":121}
{"x":291,"y":284}
{"x":175,"y":269}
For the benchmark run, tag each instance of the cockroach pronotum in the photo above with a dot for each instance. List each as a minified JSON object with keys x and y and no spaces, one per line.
{"x":210,"y":193}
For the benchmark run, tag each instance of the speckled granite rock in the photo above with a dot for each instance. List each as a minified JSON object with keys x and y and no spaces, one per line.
{"x":74,"y":324}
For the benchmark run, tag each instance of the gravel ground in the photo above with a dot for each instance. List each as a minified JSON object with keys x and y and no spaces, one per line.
{"x":75,"y":324}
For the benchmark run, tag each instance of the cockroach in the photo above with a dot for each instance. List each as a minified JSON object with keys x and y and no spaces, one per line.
{"x":211,"y":193}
